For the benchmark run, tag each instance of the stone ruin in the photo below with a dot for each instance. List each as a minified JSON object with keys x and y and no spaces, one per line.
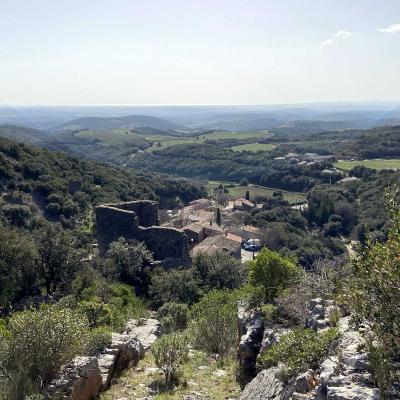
{"x":138,"y":220}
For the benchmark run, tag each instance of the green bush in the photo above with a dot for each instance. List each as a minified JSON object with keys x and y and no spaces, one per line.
{"x":40,"y":342}
{"x":213,"y":323}
{"x":173,"y":316}
{"x":374,"y":297}
{"x":169,"y":352}
{"x":218,"y":271}
{"x":273,"y":272}
{"x":97,"y":312}
{"x":179,"y":285}
{"x":99,"y":339}
{"x":106,"y":304}
{"x":299,"y":350}
{"x":132,"y":261}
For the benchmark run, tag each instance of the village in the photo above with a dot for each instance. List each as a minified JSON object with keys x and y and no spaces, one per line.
{"x":217,"y":224}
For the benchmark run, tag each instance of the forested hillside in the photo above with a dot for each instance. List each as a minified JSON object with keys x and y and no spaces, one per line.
{"x":38,"y":183}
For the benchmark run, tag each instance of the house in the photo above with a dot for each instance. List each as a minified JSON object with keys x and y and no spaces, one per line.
{"x":246,"y":232}
{"x":314,"y":157}
{"x":212,"y":230}
{"x":291,"y":156}
{"x":233,"y":237}
{"x":214,"y":244}
{"x":243,"y":205}
{"x":300,"y":207}
{"x":187,"y":216}
{"x":195,"y":232}
{"x":349,"y":179}
{"x":250,"y":232}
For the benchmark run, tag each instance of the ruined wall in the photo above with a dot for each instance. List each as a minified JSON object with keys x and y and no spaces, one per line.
{"x":165,"y":242}
{"x":113,"y":223}
{"x":137,"y":220}
{"x":146,"y":211}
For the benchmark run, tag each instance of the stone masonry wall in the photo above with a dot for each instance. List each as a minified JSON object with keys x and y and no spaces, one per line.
{"x":113,"y":223}
{"x":146,"y":211}
{"x":138,"y":220}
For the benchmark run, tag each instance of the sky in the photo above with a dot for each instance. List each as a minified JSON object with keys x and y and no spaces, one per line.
{"x":190,"y":52}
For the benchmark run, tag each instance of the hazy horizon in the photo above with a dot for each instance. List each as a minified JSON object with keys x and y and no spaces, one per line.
{"x":185,"y":53}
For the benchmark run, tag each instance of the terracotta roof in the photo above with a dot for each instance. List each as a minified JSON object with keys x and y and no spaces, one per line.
{"x":194,"y":227}
{"x":241,"y":201}
{"x":213,"y":244}
{"x":236,"y":238}
{"x":252,"y":229}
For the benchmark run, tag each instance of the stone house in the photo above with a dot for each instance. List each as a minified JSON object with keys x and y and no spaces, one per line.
{"x":243,"y":205}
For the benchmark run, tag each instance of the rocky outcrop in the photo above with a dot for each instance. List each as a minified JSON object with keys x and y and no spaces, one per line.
{"x":272,"y":336}
{"x":320,"y":313}
{"x":344,"y":375}
{"x":86,"y":377}
{"x":268,"y":385}
{"x":347,"y":377}
{"x":250,"y":333}
{"x":147,"y":333}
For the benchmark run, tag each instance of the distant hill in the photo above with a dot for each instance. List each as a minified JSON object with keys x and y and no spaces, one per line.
{"x":23,"y":134}
{"x":131,"y":121}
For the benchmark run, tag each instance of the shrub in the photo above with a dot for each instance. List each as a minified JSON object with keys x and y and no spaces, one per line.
{"x":213,"y":323}
{"x":41,"y":341}
{"x":273,"y":272}
{"x":17,"y":215}
{"x":218,"y":271}
{"x":99,"y":339}
{"x":180,"y":286}
{"x":173,"y":316}
{"x":97,"y":312}
{"x":169,"y":352}
{"x":132,"y":261}
{"x":292,"y":303}
{"x":299,"y":350}
{"x":374,"y":297}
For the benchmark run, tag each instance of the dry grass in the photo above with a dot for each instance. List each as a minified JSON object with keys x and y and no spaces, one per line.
{"x":146,"y":380}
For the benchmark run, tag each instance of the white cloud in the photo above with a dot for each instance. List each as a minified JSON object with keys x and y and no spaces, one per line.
{"x":343,"y":34}
{"x":326,"y":43}
{"x":393,"y":29}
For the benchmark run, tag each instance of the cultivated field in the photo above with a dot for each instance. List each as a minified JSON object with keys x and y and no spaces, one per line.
{"x":236,"y":191}
{"x":254,"y":147}
{"x":375,"y":164}
{"x":236,"y":135}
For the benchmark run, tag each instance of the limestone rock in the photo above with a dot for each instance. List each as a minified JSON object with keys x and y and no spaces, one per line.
{"x":250,"y":331}
{"x":146,"y":333}
{"x":352,"y":393}
{"x":306,"y":382}
{"x":267,"y":385}
{"x":85,"y":377}
{"x":328,"y":369}
{"x":272,"y":336}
